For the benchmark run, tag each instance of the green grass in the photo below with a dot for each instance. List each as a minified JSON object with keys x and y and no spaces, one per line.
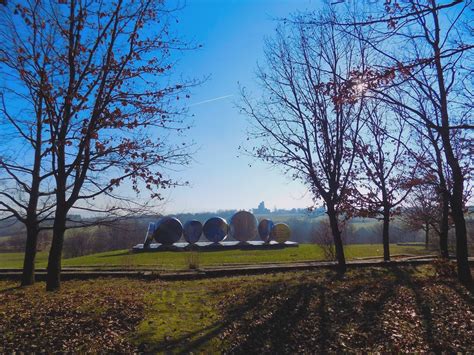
{"x":369,"y":309}
{"x":15,"y":260}
{"x":181,"y":311}
{"x":180,"y":260}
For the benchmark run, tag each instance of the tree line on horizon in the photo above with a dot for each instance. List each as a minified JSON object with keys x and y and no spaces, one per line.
{"x":305,"y":229}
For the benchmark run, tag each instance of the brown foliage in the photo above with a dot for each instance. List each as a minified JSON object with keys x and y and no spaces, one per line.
{"x":375,"y":311}
{"x":371,"y":309}
{"x":85,"y":316}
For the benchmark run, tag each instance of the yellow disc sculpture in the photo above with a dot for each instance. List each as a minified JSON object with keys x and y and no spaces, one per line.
{"x":280,"y":233}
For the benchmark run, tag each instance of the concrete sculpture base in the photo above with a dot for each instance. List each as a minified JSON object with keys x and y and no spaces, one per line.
{"x":226,"y":245}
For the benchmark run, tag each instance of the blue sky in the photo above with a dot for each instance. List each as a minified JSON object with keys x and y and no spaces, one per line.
{"x":232,"y":33}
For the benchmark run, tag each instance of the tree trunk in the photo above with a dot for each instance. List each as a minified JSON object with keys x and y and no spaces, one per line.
{"x":457,"y":212}
{"x":53,"y":278}
{"x":427,"y":235}
{"x":28,"y":276}
{"x":336,"y":233}
{"x":444,"y":225}
{"x":464,"y":272}
{"x":32,"y":228}
{"x":443,"y":196}
{"x":385,"y":235}
{"x":456,"y":198}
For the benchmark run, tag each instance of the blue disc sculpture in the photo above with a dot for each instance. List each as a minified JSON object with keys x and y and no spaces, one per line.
{"x":243,"y":226}
{"x":215,"y":229}
{"x":192,"y":231}
{"x":168,"y":230}
{"x":264,"y":228}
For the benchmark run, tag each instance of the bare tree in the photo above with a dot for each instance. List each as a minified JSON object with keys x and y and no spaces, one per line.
{"x":309,"y":116}
{"x":436,"y":184}
{"x":386,"y":170}
{"x":321,"y":235}
{"x":436,"y":175}
{"x":110,"y":105}
{"x":421,"y":45}
{"x":422,"y":211}
{"x":25,"y":194}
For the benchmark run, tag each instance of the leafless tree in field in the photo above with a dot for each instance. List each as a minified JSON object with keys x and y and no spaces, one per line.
{"x":111,"y":106}
{"x":436,"y":175}
{"x":26,"y":194}
{"x":387,"y":168}
{"x":421,"y":211}
{"x":425,"y":66}
{"x":308,"y":118}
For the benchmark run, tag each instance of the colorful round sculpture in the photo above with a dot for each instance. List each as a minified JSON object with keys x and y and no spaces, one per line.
{"x":168,"y":230}
{"x":192,"y":231}
{"x":243,"y":226}
{"x":280,"y":233}
{"x":264,"y":228}
{"x":215,"y":229}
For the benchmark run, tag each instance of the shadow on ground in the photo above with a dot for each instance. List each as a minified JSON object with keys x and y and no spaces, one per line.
{"x":367,"y":310}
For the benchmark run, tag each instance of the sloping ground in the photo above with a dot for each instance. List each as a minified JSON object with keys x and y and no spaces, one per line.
{"x":169,"y":260}
{"x":370,"y":309}
{"x":87,"y":273}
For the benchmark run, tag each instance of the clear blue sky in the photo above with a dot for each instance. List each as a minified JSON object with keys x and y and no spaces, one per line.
{"x":232,"y":33}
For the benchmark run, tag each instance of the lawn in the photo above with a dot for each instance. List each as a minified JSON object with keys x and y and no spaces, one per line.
{"x":180,"y":260}
{"x":15,"y":260}
{"x":371,"y":309}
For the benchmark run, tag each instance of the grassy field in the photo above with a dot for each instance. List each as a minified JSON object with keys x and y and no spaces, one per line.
{"x":368,"y":310}
{"x":181,"y":260}
{"x":15,"y":260}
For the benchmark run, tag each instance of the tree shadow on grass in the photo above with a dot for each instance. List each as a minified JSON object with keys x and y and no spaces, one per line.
{"x":275,"y":329}
{"x":180,"y":344}
{"x":406,"y":277}
{"x":313,"y":315}
{"x":356,"y":320}
{"x":196,"y":339}
{"x":306,"y":316}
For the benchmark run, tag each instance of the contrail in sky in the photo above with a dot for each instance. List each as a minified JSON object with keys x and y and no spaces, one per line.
{"x":210,"y":100}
